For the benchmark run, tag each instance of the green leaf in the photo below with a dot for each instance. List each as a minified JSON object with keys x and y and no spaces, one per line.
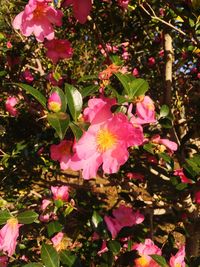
{"x":69,"y":259}
{"x":181,"y":186}
{"x":74,"y":99}
{"x":116,"y":60}
{"x":34,"y":92}
{"x":149,"y":148}
{"x":49,"y":256}
{"x":166,"y":157}
{"x":27,"y":217}
{"x":164,"y":111}
{"x":138,"y":87}
{"x":89,"y":90}
{"x":125,"y":80}
{"x":3,"y":73}
{"x":54,"y":227}
{"x":60,"y":122}
{"x":114,"y":246}
{"x":4,"y":216}
{"x":87,"y":77}
{"x":76,"y":130}
{"x":160,"y":260}
{"x":62,"y":97}
{"x":96,"y":219}
{"x":33,"y":264}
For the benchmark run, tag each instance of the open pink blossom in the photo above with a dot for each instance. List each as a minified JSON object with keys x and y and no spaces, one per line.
{"x":145,"y":111}
{"x":38,"y":18}
{"x":58,"y":49}
{"x":8,"y":236}
{"x":178,"y":260}
{"x":144,"y":250}
{"x":10,"y":104}
{"x":170,"y":145}
{"x":54,"y":102}
{"x":81,"y":9}
{"x":45,"y":204}
{"x":99,"y":109}
{"x":60,"y":192}
{"x":122,"y":217}
{"x":105,"y":144}
{"x":57,"y":241}
{"x":183,"y":177}
{"x":62,"y":153}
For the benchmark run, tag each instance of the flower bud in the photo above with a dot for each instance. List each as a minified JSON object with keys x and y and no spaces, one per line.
{"x":54,"y":102}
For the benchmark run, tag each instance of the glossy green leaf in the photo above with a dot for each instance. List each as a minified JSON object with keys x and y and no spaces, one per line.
{"x":125,"y":80}
{"x":76,"y":130}
{"x":27,"y":217}
{"x":60,"y":122}
{"x":164,"y":111}
{"x":138,"y":87}
{"x":34,"y":92}
{"x":160,"y":260}
{"x":74,"y":100}
{"x":4,"y":216}
{"x":69,"y":259}
{"x":49,"y":256}
{"x":89,"y":90}
{"x":96,"y":219}
{"x":114,"y":246}
{"x":87,"y":77}
{"x":54,"y":227}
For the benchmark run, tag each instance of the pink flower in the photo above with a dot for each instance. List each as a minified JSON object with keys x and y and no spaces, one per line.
{"x":8,"y":236}
{"x":144,"y":250}
{"x":3,"y":261}
{"x":27,"y":75}
{"x":10,"y":104}
{"x":98,"y":110}
{"x":123,"y":3}
{"x":105,"y":143}
{"x":37,"y":18}
{"x":171,"y":146}
{"x":62,"y":153}
{"x":122,"y":217}
{"x":135,"y":72}
{"x":81,"y":9}
{"x":145,"y":111}
{"x":58,"y":49}
{"x":60,"y":192}
{"x":184,"y":179}
{"x":45,"y":204}
{"x":54,"y":102}
{"x":151,"y":61}
{"x":103,"y":248}
{"x":178,"y":259}
{"x":57,"y":241}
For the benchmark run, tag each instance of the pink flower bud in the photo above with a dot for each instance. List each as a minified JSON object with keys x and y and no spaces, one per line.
{"x":10,"y":104}
{"x":54,"y":102}
{"x":151,"y":61}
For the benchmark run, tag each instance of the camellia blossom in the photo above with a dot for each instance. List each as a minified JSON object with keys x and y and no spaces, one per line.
{"x":81,"y":9}
{"x":62,"y":153}
{"x":108,"y":72}
{"x":144,"y":250}
{"x":8,"y":236}
{"x":105,"y":143}
{"x":10,"y":104}
{"x":170,"y":145}
{"x":37,"y":18}
{"x":59,"y":241}
{"x":58,"y":49}
{"x":178,"y":259}
{"x":122,"y":217}
{"x":60,"y":192}
{"x":54,"y":102}
{"x":99,"y":109}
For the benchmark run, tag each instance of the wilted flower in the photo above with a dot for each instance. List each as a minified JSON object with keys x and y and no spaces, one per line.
{"x":58,"y":49}
{"x":81,"y":9}
{"x":37,"y":18}
{"x":8,"y":236}
{"x":54,"y":102}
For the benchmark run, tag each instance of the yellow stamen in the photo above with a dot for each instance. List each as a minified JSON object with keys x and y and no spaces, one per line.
{"x":12,"y":221}
{"x":142,"y":261}
{"x":105,"y":140}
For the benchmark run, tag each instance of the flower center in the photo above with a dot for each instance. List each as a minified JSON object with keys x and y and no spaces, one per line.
{"x":142,"y":261}
{"x":12,"y":222}
{"x":105,"y":140}
{"x":39,"y":12}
